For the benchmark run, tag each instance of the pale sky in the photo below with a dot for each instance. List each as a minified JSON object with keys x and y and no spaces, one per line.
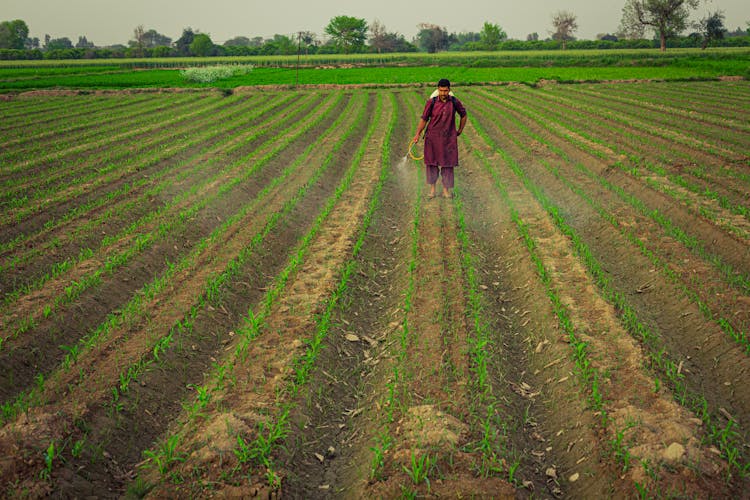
{"x":107,"y":22}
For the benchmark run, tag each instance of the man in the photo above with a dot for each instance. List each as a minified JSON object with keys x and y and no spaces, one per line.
{"x":441,"y":137}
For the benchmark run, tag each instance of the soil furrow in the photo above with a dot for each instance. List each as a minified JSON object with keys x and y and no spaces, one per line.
{"x":288,"y":327}
{"x":43,"y":251}
{"x":723,"y":246}
{"x":700,"y":277}
{"x":645,"y":426}
{"x":39,"y":348}
{"x":334,"y":410}
{"x":193,"y":355}
{"x":125,"y":182}
{"x":550,"y":422}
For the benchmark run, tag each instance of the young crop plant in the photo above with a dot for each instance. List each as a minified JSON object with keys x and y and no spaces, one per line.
{"x":145,"y":240}
{"x":166,"y":455}
{"x":690,"y":242}
{"x":656,"y":354}
{"x":420,"y":469}
{"x":49,"y":458}
{"x":269,"y":434}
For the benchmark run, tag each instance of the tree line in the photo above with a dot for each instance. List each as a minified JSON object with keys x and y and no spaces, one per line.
{"x":665,"y":19}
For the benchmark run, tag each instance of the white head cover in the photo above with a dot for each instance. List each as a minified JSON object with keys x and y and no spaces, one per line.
{"x":435,"y":93}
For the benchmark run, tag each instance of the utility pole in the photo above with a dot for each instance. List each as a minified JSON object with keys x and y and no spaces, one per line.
{"x":299,"y":44}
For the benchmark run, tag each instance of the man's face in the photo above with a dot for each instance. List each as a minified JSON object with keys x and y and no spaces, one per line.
{"x":443,"y":93}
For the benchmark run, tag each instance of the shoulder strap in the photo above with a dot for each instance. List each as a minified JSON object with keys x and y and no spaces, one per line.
{"x":434,"y":99}
{"x":432,"y":105}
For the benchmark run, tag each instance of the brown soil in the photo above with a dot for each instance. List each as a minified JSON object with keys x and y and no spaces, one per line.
{"x":395,"y":381}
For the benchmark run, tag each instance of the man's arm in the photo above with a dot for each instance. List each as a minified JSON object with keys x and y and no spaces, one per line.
{"x":420,"y":128}
{"x":462,"y":124}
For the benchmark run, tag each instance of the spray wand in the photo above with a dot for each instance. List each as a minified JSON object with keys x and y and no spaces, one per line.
{"x":411,"y":153}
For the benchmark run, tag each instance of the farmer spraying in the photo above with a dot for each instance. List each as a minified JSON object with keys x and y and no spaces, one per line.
{"x":441,"y":137}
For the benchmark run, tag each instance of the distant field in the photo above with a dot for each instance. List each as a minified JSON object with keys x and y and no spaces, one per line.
{"x":461,"y":68}
{"x":496,"y":58}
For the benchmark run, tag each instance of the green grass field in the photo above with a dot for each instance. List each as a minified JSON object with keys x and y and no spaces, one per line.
{"x":461,"y":68}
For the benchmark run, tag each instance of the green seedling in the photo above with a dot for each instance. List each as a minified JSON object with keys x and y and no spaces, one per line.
{"x":420,"y":469}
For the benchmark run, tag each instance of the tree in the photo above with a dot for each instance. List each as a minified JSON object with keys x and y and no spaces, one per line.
{"x":59,"y":44}
{"x":348,"y":33}
{"x":378,"y":37}
{"x":183,"y":43}
{"x":83,"y":43}
{"x":711,"y":28}
{"x":238,"y":41}
{"x":491,"y":36}
{"x":565,"y":25}
{"x":153,"y":38}
{"x":13,"y":34}
{"x":630,"y":28}
{"x":607,"y":37}
{"x":201,"y":45}
{"x":383,"y":41}
{"x":532,"y":37}
{"x":432,"y":38}
{"x":139,"y":42}
{"x":666,"y":17}
{"x":308,"y":39}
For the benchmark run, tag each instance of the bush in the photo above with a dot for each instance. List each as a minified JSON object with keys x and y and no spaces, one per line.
{"x":208,"y":74}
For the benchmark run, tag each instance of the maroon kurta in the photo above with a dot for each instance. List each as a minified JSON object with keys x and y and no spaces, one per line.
{"x":440,"y":140}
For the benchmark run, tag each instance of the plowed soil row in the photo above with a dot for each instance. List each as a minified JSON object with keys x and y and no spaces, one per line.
{"x":630,"y":149}
{"x":93,"y":122}
{"x":319,"y":328}
{"x":159,"y":391}
{"x":181,"y":179}
{"x":39,"y":348}
{"x":660,"y":302}
{"x":557,"y":157}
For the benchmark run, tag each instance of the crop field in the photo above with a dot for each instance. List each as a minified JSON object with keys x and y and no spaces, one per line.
{"x":462,"y":68}
{"x":251,"y":294}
